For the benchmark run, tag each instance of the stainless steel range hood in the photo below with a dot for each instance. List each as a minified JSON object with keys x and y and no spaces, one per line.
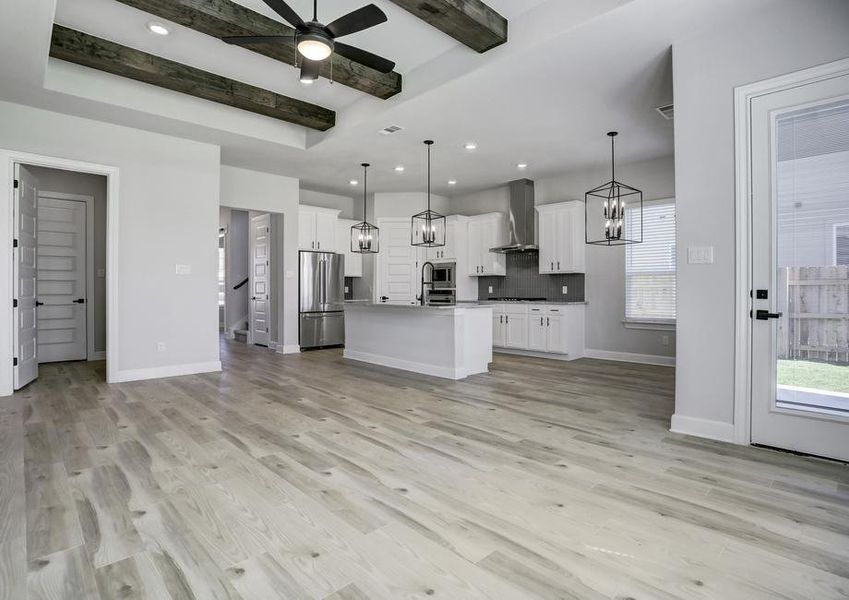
{"x":521,"y":219}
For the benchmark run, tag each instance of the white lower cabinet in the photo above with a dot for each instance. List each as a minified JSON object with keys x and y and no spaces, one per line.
{"x":556,"y":329}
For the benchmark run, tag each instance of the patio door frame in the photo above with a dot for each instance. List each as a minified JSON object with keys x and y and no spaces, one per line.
{"x":743,"y":99}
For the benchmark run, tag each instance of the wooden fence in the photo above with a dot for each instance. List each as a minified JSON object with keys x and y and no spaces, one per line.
{"x":815,"y":303}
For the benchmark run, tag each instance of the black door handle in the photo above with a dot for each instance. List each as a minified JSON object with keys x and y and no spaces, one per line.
{"x":765,"y":315}
{"x":384,"y":298}
{"x":37,"y":303}
{"x":79,"y":301}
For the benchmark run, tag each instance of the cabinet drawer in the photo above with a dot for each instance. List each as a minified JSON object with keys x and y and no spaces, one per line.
{"x":516,"y":309}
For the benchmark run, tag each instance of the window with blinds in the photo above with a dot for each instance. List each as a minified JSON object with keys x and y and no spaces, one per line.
{"x":841,"y":244}
{"x":650,"y":266}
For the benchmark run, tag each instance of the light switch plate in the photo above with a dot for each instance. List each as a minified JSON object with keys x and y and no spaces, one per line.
{"x":183,"y":269}
{"x":700,"y":255}
{"x":290,"y":274}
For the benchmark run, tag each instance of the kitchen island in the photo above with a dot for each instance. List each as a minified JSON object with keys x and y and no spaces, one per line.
{"x":444,"y":341}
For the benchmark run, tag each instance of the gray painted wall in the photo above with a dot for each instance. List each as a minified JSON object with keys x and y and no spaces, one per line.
{"x":782,"y":37}
{"x":605,"y":276}
{"x":69,"y":182}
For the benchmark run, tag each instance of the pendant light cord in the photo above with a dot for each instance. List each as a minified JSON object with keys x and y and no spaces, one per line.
{"x":315,"y":10}
{"x":365,"y":192}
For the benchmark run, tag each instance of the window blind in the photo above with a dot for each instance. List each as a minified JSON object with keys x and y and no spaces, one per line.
{"x":841,"y":245}
{"x":650,"y":266}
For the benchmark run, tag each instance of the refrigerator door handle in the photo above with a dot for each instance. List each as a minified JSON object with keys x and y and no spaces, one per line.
{"x":323,"y":273}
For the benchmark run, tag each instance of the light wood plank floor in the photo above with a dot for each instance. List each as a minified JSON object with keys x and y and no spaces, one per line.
{"x":307,"y":476}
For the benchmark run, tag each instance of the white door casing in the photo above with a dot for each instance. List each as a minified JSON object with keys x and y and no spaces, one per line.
{"x":260,"y":279}
{"x":62,"y":280}
{"x":771,"y":422}
{"x":24,"y":281}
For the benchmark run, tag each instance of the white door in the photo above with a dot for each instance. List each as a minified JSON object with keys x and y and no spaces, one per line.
{"x":537,"y":332}
{"x":474,"y":243}
{"x":61,"y":280}
{"x":800,"y":262}
{"x":516,"y":331}
{"x":397,"y":279}
{"x":306,"y":230}
{"x":260,"y":279}
{"x":498,"y":330}
{"x":555,"y":341}
{"x":24,"y":283}
{"x":325,"y":232}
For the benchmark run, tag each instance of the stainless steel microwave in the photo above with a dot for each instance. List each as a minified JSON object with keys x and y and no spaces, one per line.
{"x":443,"y":275}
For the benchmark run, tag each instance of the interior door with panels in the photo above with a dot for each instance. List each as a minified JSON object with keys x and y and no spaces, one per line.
{"x":61,"y":276}
{"x":397,"y":277}
{"x":24,"y":280}
{"x":260,"y":279}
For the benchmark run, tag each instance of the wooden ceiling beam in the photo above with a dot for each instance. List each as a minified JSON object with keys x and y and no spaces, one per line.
{"x":468,"y":21}
{"x":96,"y":53}
{"x":221,"y":18}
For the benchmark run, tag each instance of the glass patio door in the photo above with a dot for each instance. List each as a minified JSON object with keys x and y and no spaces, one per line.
{"x":800,"y":268}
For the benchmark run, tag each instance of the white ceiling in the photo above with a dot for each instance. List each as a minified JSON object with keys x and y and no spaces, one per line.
{"x":570,"y":72}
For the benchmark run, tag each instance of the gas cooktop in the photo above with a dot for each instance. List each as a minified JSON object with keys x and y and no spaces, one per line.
{"x":514,"y":299}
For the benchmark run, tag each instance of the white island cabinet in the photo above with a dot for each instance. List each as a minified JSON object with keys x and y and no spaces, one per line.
{"x":444,"y":341}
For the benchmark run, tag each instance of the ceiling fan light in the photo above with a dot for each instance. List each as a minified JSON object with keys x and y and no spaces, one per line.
{"x":314,"y":47}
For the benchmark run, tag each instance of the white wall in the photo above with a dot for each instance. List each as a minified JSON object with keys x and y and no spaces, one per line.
{"x":69,"y":182}
{"x":348,"y":207}
{"x":605,"y":274}
{"x":167,"y":215}
{"x":264,"y":192}
{"x":783,"y":37}
{"x":406,"y":204}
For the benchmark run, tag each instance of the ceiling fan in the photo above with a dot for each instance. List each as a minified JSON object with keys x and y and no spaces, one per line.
{"x":317,"y":41}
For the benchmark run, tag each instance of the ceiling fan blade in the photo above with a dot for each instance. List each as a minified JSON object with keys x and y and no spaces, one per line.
{"x":378,"y":63}
{"x":285,"y":11}
{"x":248,"y":40}
{"x":310,"y":69}
{"x":362,"y":18}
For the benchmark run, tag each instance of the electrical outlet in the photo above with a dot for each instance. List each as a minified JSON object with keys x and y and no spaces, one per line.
{"x":101,"y":272}
{"x":700,"y":255}
{"x":347,"y":289}
{"x":160,"y":347}
{"x":664,"y":340}
{"x":290,"y":274}
{"x":565,"y":289}
{"x":490,"y":289}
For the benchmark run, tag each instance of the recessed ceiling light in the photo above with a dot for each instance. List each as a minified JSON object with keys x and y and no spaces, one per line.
{"x":452,"y":182}
{"x":522,"y":166}
{"x":354,"y":182}
{"x":157,"y":28}
{"x":399,"y":169}
{"x":471,"y":146}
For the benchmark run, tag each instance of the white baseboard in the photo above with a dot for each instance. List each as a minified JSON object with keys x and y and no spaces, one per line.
{"x":169,"y":371}
{"x":99,"y":355}
{"x":288,"y":349}
{"x":703,"y":428}
{"x":631,"y":357}
{"x":406,"y":365}
{"x":532,"y":353}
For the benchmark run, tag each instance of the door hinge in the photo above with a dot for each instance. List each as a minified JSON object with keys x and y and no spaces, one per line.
{"x":15,"y":362}
{"x":17,"y":184}
{"x":14,"y":303}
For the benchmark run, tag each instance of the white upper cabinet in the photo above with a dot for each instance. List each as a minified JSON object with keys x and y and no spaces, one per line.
{"x":353,"y":260}
{"x":561,"y":238}
{"x":317,"y":228}
{"x":485,"y":232}
{"x":453,"y":229}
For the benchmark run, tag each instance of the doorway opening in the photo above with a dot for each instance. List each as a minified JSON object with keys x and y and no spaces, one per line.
{"x":59,"y":270}
{"x":250,"y":292}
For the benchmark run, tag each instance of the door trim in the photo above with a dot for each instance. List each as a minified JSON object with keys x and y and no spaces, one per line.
{"x":8,"y":158}
{"x":743,"y":98}
{"x":91,"y":353}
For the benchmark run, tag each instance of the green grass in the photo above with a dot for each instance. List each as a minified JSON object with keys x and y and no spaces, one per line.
{"x":819,"y":376}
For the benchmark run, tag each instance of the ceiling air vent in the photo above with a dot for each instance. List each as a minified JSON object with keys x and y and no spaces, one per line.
{"x":390,"y":130}
{"x":667,"y":112}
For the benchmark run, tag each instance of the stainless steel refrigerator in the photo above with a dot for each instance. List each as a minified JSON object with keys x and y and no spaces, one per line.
{"x":322,"y":291}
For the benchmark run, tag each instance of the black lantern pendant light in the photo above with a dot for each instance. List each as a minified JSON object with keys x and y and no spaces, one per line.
{"x":604,"y":210}
{"x":365,"y":237}
{"x":428,"y":227}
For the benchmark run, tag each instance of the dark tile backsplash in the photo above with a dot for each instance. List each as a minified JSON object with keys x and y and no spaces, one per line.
{"x":523,"y":280}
